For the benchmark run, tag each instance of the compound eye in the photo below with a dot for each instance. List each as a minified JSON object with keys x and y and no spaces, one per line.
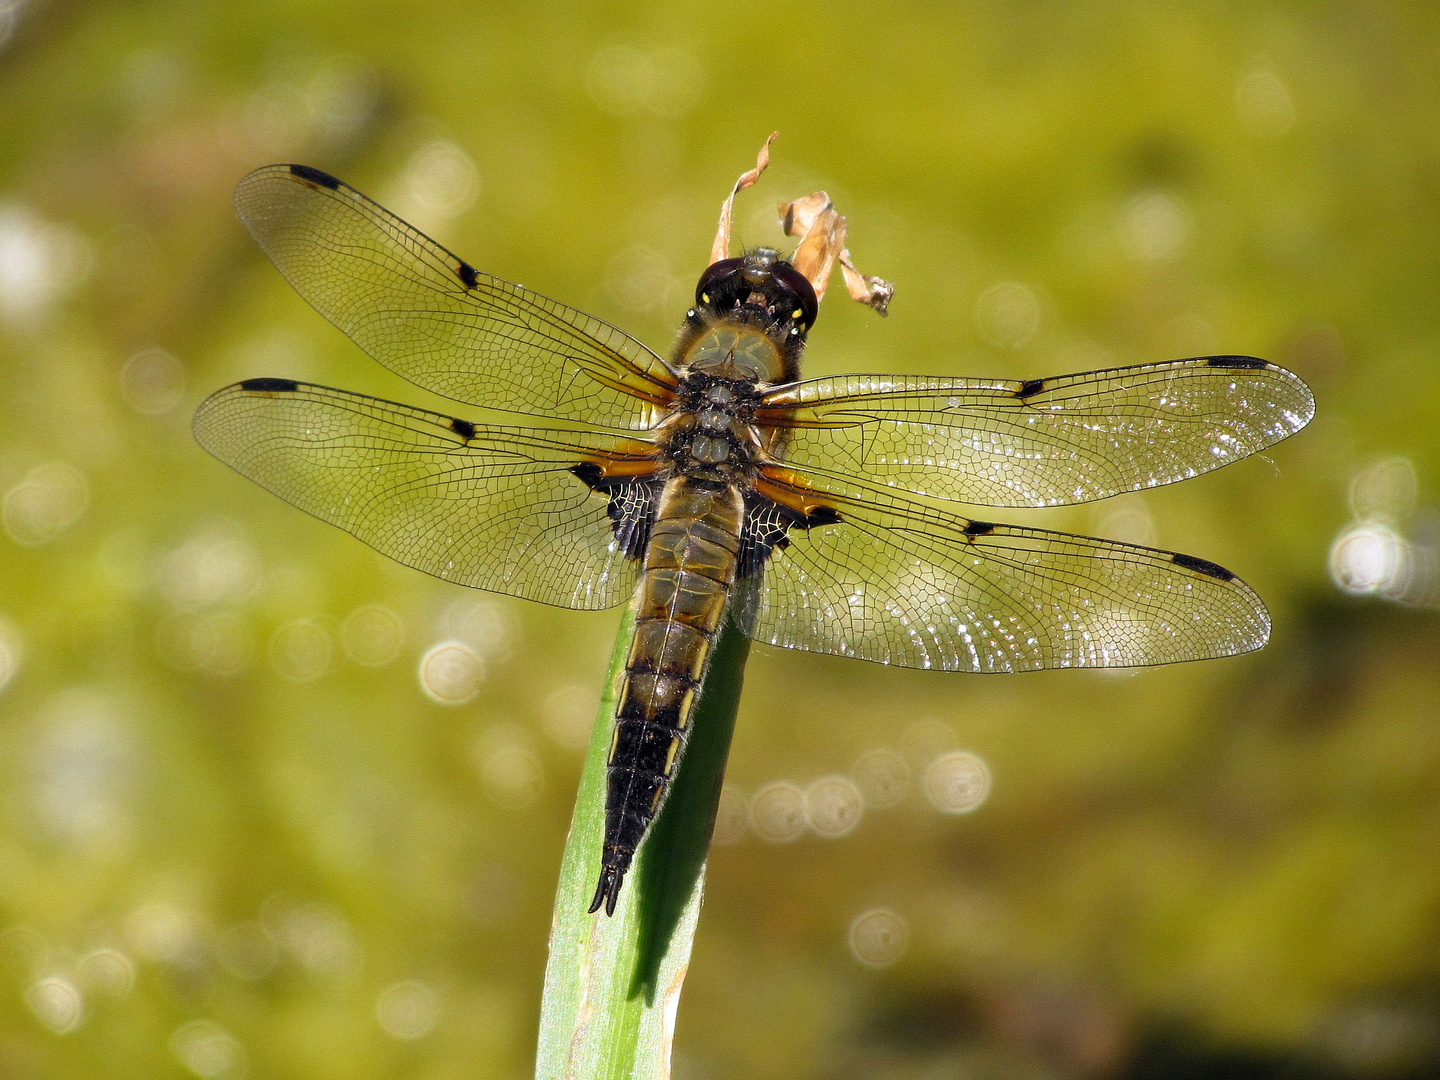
{"x":713,"y":273}
{"x":797,"y":283}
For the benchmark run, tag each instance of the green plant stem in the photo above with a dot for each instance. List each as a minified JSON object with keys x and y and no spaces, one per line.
{"x":612,"y":985}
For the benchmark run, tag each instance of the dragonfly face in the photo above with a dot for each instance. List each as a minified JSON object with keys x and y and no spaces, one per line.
{"x":818,"y":515}
{"x":767,"y":297}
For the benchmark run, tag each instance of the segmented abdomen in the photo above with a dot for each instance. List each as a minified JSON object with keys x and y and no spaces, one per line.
{"x":690,"y":565}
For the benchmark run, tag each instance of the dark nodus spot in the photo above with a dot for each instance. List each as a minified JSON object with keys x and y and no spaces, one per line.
{"x":590,"y":473}
{"x":1244,"y":363}
{"x":979,"y":528}
{"x":464,"y":428}
{"x":270,"y":386}
{"x":467,"y":274}
{"x":1029,"y":388}
{"x":315,"y":176}
{"x":1203,"y":566}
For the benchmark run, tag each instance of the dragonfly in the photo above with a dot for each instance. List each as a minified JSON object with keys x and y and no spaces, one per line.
{"x":715,"y":484}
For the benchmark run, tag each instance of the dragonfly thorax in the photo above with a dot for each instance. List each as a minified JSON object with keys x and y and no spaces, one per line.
{"x":710,"y":434}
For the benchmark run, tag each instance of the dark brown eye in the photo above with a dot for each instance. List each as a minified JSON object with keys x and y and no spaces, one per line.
{"x":713,"y":273}
{"x":797,"y":283}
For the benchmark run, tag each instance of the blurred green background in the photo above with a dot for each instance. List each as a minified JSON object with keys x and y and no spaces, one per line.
{"x":238,"y":837}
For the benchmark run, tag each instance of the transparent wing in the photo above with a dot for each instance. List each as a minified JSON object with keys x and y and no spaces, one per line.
{"x":432,"y":318}
{"x":495,"y":508}
{"x":900,"y":583}
{"x":1068,"y":439}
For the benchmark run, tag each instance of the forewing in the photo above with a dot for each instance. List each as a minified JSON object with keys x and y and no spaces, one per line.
{"x":1045,"y":442}
{"x":495,"y":508}
{"x":429,"y":316}
{"x":900,"y":583}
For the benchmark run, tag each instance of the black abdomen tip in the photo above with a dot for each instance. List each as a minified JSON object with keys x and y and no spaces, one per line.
{"x":270,"y":386}
{"x":315,"y":176}
{"x":607,"y":892}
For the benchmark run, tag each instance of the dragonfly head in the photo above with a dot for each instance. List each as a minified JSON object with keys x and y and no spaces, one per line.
{"x":761,"y":295}
{"x":759,"y":287}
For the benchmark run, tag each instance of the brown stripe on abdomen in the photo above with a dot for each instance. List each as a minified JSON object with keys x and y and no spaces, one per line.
{"x":690,"y":566}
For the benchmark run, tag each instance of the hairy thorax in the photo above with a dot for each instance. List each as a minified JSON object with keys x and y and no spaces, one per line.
{"x":724,"y":368}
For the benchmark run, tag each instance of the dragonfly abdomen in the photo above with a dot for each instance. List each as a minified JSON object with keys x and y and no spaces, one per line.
{"x":690,"y":565}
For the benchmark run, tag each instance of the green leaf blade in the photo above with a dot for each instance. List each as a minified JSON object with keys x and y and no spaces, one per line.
{"x":612,"y":984}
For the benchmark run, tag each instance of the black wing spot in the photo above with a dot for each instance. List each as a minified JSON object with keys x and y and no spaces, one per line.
{"x":632,"y":514}
{"x":315,"y":176}
{"x":589,"y":473}
{"x":631,"y":506}
{"x":1244,"y":363}
{"x":467,"y":274}
{"x":1203,"y":566}
{"x":767,"y":522}
{"x":464,"y":428}
{"x":979,"y":528}
{"x":1029,"y":388}
{"x":821,"y":515}
{"x":270,"y":386}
